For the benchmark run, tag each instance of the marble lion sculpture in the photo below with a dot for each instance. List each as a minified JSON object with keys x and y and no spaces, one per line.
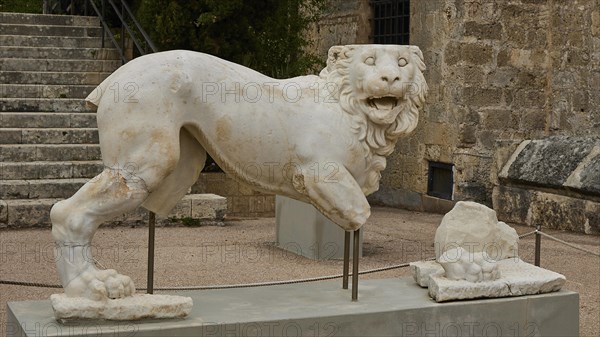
{"x":182,"y":105}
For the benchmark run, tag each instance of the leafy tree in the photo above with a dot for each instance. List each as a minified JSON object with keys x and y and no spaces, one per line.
{"x":266,"y":35}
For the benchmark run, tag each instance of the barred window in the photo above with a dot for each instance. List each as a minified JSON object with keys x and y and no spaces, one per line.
{"x":391,"y":21}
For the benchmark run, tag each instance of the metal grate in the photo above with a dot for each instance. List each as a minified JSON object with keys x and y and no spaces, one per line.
{"x":441,"y":180}
{"x":391,"y":21}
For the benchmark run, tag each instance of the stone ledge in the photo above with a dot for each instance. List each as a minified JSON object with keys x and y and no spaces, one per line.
{"x":193,"y":209}
{"x":530,"y":207}
{"x":559,"y":163}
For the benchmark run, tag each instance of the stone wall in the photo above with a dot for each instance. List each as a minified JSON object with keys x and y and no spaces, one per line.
{"x":499,"y":72}
{"x":344,"y":22}
{"x":242,"y":201}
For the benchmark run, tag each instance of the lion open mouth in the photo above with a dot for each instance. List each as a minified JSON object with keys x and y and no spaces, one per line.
{"x":383,"y":103}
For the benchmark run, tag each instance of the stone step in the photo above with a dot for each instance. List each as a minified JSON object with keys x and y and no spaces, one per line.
{"x":59,"y":53}
{"x":48,"y":136}
{"x":50,"y":170}
{"x":49,"y":20}
{"x":26,"y":213}
{"x":40,"y":188}
{"x":44,"y":104}
{"x":193,"y":209}
{"x":53,"y":41}
{"x":45,"y":91}
{"x":65,"y":31}
{"x":47,"y":120}
{"x":56,"y":65}
{"x":35,"y":77}
{"x":49,"y":152}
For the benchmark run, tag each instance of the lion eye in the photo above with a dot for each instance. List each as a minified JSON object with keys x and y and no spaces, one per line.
{"x":370,"y":60}
{"x":402,"y":62}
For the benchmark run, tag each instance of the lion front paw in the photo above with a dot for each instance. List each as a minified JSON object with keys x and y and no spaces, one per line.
{"x":99,"y":285}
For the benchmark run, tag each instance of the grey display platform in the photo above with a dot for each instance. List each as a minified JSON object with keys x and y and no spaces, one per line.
{"x":388,"y":307}
{"x":303,"y":230}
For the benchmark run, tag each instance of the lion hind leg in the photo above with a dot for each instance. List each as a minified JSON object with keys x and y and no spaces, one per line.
{"x":74,"y":223}
{"x":176,"y":185}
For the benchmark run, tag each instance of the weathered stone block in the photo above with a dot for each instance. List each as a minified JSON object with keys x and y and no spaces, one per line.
{"x":565,"y":213}
{"x":512,"y":204}
{"x":587,"y":174}
{"x":3,"y":212}
{"x":596,"y":23}
{"x":182,"y":210}
{"x":394,"y":197}
{"x":549,"y":161}
{"x":208,"y":206}
{"x":436,"y":205}
{"x":475,"y":53}
{"x":491,"y":31}
{"x":471,"y":53}
{"x":477,"y":96}
{"x":29,"y":213}
{"x":524,"y":98}
{"x":497,"y":119}
{"x":467,"y":134}
{"x":10,"y":136}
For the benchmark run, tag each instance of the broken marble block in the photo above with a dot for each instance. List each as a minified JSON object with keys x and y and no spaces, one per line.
{"x":139,"y":306}
{"x":421,"y":271}
{"x":476,"y":228}
{"x":518,"y":278}
{"x":459,"y":264}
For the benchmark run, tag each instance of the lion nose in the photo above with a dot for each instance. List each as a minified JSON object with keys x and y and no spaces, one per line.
{"x":386,"y":79}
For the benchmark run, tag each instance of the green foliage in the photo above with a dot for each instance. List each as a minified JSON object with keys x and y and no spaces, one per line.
{"x":21,"y":6}
{"x":266,"y":35}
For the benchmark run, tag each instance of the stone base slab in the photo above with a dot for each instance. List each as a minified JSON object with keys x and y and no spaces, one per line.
{"x":139,"y":306}
{"x":303,"y":230}
{"x":517,"y":278}
{"x":389,"y":307}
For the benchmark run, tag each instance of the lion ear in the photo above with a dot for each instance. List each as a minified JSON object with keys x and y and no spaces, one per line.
{"x":335,"y":54}
{"x":418,"y":57}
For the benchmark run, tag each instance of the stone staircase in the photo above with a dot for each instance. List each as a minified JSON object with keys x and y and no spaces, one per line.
{"x":48,"y":137}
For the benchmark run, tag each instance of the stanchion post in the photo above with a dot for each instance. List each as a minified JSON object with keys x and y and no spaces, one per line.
{"x":346,"y":260}
{"x":151,"y":227}
{"x":538,"y":244}
{"x":355,"y":251}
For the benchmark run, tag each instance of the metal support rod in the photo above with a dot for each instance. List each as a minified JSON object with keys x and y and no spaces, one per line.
{"x":356,"y":250}
{"x":346,"y":260}
{"x":538,"y":244}
{"x":151,"y":227}
{"x":101,"y":19}
{"x":123,"y":29}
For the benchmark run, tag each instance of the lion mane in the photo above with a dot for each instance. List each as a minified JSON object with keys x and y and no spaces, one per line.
{"x":378,"y":140}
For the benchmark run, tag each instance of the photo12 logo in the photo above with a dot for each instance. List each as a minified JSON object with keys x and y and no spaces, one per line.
{"x":253,"y":92}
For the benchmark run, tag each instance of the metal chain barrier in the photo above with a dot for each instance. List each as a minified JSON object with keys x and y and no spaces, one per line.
{"x":527,"y":234}
{"x":229,"y":286}
{"x":305,"y":280}
{"x":569,"y":244}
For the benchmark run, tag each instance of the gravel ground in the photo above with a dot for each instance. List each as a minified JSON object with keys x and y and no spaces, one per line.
{"x":243,"y":251}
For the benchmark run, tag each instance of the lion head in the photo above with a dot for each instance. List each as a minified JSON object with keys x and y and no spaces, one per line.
{"x":382,"y":88}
